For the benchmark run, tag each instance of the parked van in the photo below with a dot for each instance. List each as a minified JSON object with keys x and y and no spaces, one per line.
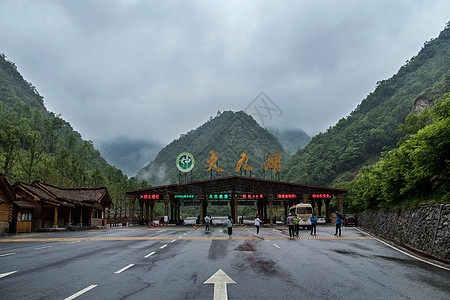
{"x":304,"y":212}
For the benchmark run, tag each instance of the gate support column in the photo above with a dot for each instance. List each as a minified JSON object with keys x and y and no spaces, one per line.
{"x":141,"y":212}
{"x":131,"y":215}
{"x":305,"y":198}
{"x":147,"y":203}
{"x":234,"y":208}
{"x":166,"y":204}
{"x":270,"y":209}
{"x":152,"y":206}
{"x":340,"y":198}
{"x":201,"y":200}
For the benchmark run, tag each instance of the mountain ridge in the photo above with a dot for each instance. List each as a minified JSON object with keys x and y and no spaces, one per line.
{"x":229,"y":134}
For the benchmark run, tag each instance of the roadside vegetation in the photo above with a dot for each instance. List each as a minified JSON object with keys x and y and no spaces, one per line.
{"x":415,"y":173}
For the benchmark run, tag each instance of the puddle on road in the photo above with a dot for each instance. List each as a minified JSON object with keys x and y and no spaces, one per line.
{"x":246,"y":246}
{"x":348,"y":253}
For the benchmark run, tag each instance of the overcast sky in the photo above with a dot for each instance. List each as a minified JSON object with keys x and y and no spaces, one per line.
{"x":152,"y":70}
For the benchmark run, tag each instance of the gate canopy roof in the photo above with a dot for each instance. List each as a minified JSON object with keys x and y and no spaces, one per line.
{"x":236,"y":185}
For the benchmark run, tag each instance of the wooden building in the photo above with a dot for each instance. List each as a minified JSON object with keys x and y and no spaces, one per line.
{"x":63,"y":207}
{"x":7,"y":198}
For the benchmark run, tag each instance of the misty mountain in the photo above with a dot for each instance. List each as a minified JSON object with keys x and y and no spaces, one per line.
{"x":229,"y":134}
{"x":359,"y":139}
{"x":291,"y":139}
{"x":129,"y":155}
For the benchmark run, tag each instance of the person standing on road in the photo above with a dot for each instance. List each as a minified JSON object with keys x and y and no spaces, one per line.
{"x":296,"y":225}
{"x":313,"y":224}
{"x":290,"y":223}
{"x":338,"y":223}
{"x":207,"y":222}
{"x":257,"y":224}
{"x":230,"y":227}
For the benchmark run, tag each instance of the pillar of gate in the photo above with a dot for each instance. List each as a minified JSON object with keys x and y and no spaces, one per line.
{"x":147,"y":204}
{"x":285,"y":203}
{"x":340,"y":198}
{"x":305,"y":198}
{"x":201,"y":201}
{"x":141,"y":212}
{"x":132,"y":198}
{"x":166,"y":204}
{"x":271,"y":209}
{"x":327,"y":210}
{"x":234,"y":208}
{"x":152,"y":207}
{"x":319,"y":207}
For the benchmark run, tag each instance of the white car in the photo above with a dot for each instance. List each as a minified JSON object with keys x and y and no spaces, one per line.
{"x":321,"y":220}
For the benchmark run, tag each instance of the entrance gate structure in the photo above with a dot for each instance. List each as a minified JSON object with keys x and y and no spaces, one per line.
{"x":235,"y":191}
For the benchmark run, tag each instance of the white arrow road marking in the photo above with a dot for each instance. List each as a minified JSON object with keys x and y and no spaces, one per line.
{"x":220,"y":280}
{"x":7,"y":254}
{"x":6,"y":274}
{"x":81,"y":292}
{"x":124,"y":268}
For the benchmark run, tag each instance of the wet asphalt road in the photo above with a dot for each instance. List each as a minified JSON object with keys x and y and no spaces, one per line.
{"x":174,"y":263}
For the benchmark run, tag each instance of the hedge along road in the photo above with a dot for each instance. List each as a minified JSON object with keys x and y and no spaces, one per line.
{"x":175,"y":263}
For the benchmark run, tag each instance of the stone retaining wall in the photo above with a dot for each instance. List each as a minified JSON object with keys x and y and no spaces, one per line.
{"x":425,"y":228}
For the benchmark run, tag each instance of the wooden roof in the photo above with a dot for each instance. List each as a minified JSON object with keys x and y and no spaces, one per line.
{"x":87,"y":196}
{"x":237,"y":184}
{"x":9,"y":192}
{"x":66,"y":196}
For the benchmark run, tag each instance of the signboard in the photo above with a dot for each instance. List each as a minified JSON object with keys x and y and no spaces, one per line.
{"x":184,"y":196}
{"x":286,"y":196}
{"x":252,"y":196}
{"x":151,"y":196}
{"x":322,"y":196}
{"x":185,"y":162}
{"x":218,"y":196}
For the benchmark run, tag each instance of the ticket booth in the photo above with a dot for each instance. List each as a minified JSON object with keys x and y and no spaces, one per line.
{"x":23,"y":214}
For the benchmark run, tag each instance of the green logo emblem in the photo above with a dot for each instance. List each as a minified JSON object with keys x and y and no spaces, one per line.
{"x":185,"y":162}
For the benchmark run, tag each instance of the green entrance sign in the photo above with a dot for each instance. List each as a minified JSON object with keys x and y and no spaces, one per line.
{"x":185,"y":162}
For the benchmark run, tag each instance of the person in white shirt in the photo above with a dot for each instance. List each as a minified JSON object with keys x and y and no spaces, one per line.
{"x":257,"y":224}
{"x":207,"y":222}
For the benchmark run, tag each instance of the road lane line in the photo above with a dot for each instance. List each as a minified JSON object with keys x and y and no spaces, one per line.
{"x":404,"y":252}
{"x":9,"y":273}
{"x":40,"y":248}
{"x":124,"y":268}
{"x":81,"y":292}
{"x":276,"y":246}
{"x":150,"y":254}
{"x":173,"y":240}
{"x":6,"y":254}
{"x":163,"y":246}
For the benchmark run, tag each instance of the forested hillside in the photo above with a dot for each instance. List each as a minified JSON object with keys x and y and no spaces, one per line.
{"x":358,"y":139}
{"x":37,"y":144}
{"x":229,"y":134}
{"x":416,"y":172}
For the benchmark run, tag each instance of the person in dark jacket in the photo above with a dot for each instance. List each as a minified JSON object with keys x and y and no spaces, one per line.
{"x":313,"y":224}
{"x":338,"y":223}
